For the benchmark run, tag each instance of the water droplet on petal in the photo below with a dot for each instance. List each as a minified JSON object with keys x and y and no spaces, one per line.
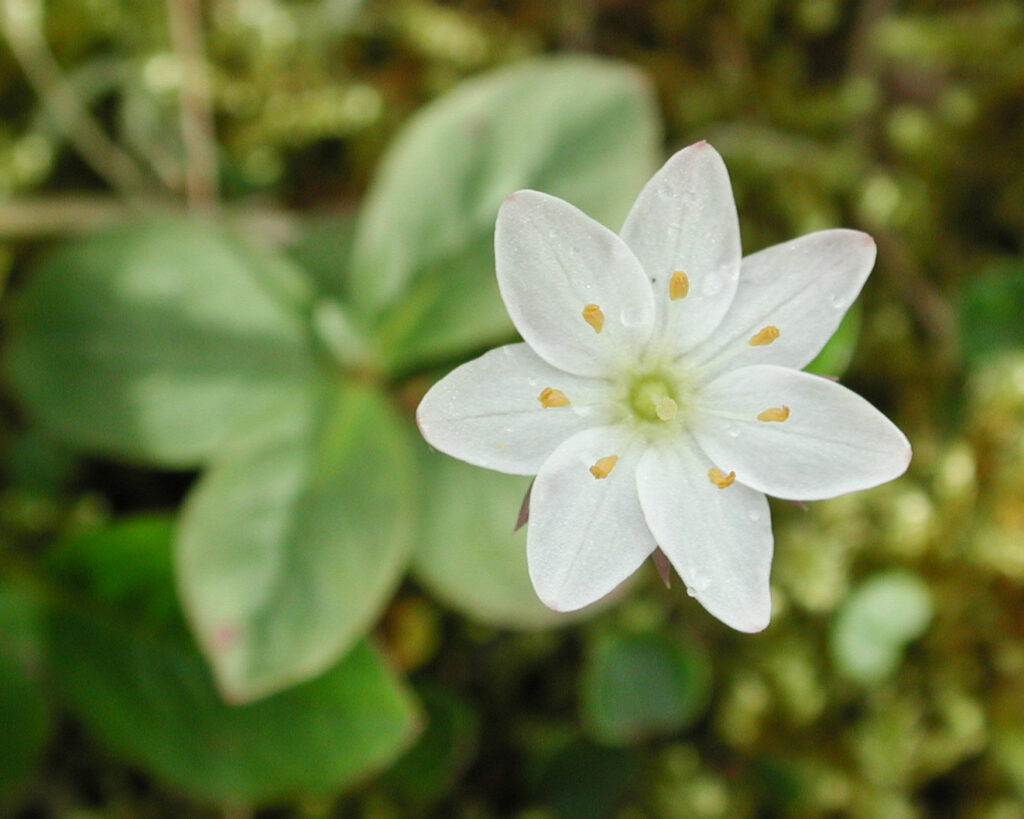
{"x":754,"y":515}
{"x":631,"y":316}
{"x":691,"y":591}
{"x":698,"y":580}
{"x":732,"y":431}
{"x":711,"y":285}
{"x":838,"y":302}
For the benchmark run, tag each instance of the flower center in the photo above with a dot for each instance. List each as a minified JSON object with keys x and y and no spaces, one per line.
{"x":653,"y":398}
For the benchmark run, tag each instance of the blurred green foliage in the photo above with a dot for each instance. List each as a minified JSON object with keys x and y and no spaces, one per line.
{"x":333,"y":264}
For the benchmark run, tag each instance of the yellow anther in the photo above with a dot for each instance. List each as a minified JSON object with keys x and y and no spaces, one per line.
{"x":552,"y":398}
{"x":765,"y":335}
{"x":593,"y":316}
{"x":665,"y":408}
{"x":678,"y":286}
{"x":604,"y":466}
{"x":774,"y":414}
{"x":720,"y":479}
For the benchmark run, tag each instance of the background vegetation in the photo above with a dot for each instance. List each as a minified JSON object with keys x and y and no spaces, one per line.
{"x":238,"y":241}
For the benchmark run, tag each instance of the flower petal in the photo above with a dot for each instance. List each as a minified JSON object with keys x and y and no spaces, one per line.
{"x":587,"y":534}
{"x":814,"y":439}
{"x":684,"y":222}
{"x":573,"y":289}
{"x":719,"y":540}
{"x":802,"y":288}
{"x":489,"y":412}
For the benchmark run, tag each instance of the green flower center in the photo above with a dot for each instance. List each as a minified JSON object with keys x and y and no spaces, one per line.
{"x":654,"y":398}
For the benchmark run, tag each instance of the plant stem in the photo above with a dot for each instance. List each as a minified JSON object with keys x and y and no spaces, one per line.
{"x":197,"y":130}
{"x":22,"y":26}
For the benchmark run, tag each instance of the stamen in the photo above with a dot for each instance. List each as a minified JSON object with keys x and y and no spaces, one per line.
{"x":720,"y":479}
{"x":774,"y":414}
{"x":764,"y":336}
{"x":552,"y":398}
{"x":604,"y":466}
{"x":593,"y":316}
{"x":665,"y":408}
{"x":678,"y":286}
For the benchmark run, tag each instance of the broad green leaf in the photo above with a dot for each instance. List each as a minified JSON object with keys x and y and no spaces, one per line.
{"x":877,"y":621}
{"x":447,"y":745}
{"x":153,"y":701}
{"x":836,"y":355}
{"x":640,"y":685}
{"x":588,"y":781}
{"x":468,"y":554}
{"x":991,"y":310}
{"x":125,"y":567}
{"x":156,"y":341}
{"x":24,"y":713}
{"x":130,"y":673}
{"x":577,"y":127}
{"x":323,"y":248}
{"x":291,"y":544}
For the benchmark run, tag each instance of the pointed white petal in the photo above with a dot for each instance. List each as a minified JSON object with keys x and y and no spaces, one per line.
{"x":832,"y":442}
{"x":552,"y":262}
{"x":586,"y":535}
{"x":685,"y":221}
{"x":719,"y":540}
{"x":802,"y":288}
{"x":488,"y":412}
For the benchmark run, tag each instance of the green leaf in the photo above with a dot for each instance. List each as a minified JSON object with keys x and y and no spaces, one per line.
{"x":24,"y":713}
{"x":588,"y":781}
{"x":991,"y":310}
{"x":468,"y":554}
{"x":291,"y":544}
{"x":876,"y":622}
{"x":577,"y":127}
{"x":837,"y":354}
{"x":640,"y":685}
{"x":323,"y":249}
{"x":156,"y":341}
{"x":154,"y":702}
{"x":126,"y":567}
{"x":447,"y":745}
{"x":130,"y":673}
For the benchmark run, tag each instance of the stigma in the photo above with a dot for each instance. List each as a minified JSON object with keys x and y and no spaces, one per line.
{"x":665,"y":408}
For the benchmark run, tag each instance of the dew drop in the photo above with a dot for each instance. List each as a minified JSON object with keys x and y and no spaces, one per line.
{"x":631,"y":316}
{"x":754,"y":516}
{"x":698,"y":580}
{"x":838,"y":302}
{"x":711,"y":285}
{"x":691,"y":591}
{"x":732,"y":431}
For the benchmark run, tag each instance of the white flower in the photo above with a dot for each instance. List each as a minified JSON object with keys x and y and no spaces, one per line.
{"x":658,"y":394}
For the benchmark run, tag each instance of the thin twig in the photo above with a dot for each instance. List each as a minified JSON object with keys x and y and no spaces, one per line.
{"x":71,"y":214}
{"x":197,"y":131}
{"x":23,"y":29}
